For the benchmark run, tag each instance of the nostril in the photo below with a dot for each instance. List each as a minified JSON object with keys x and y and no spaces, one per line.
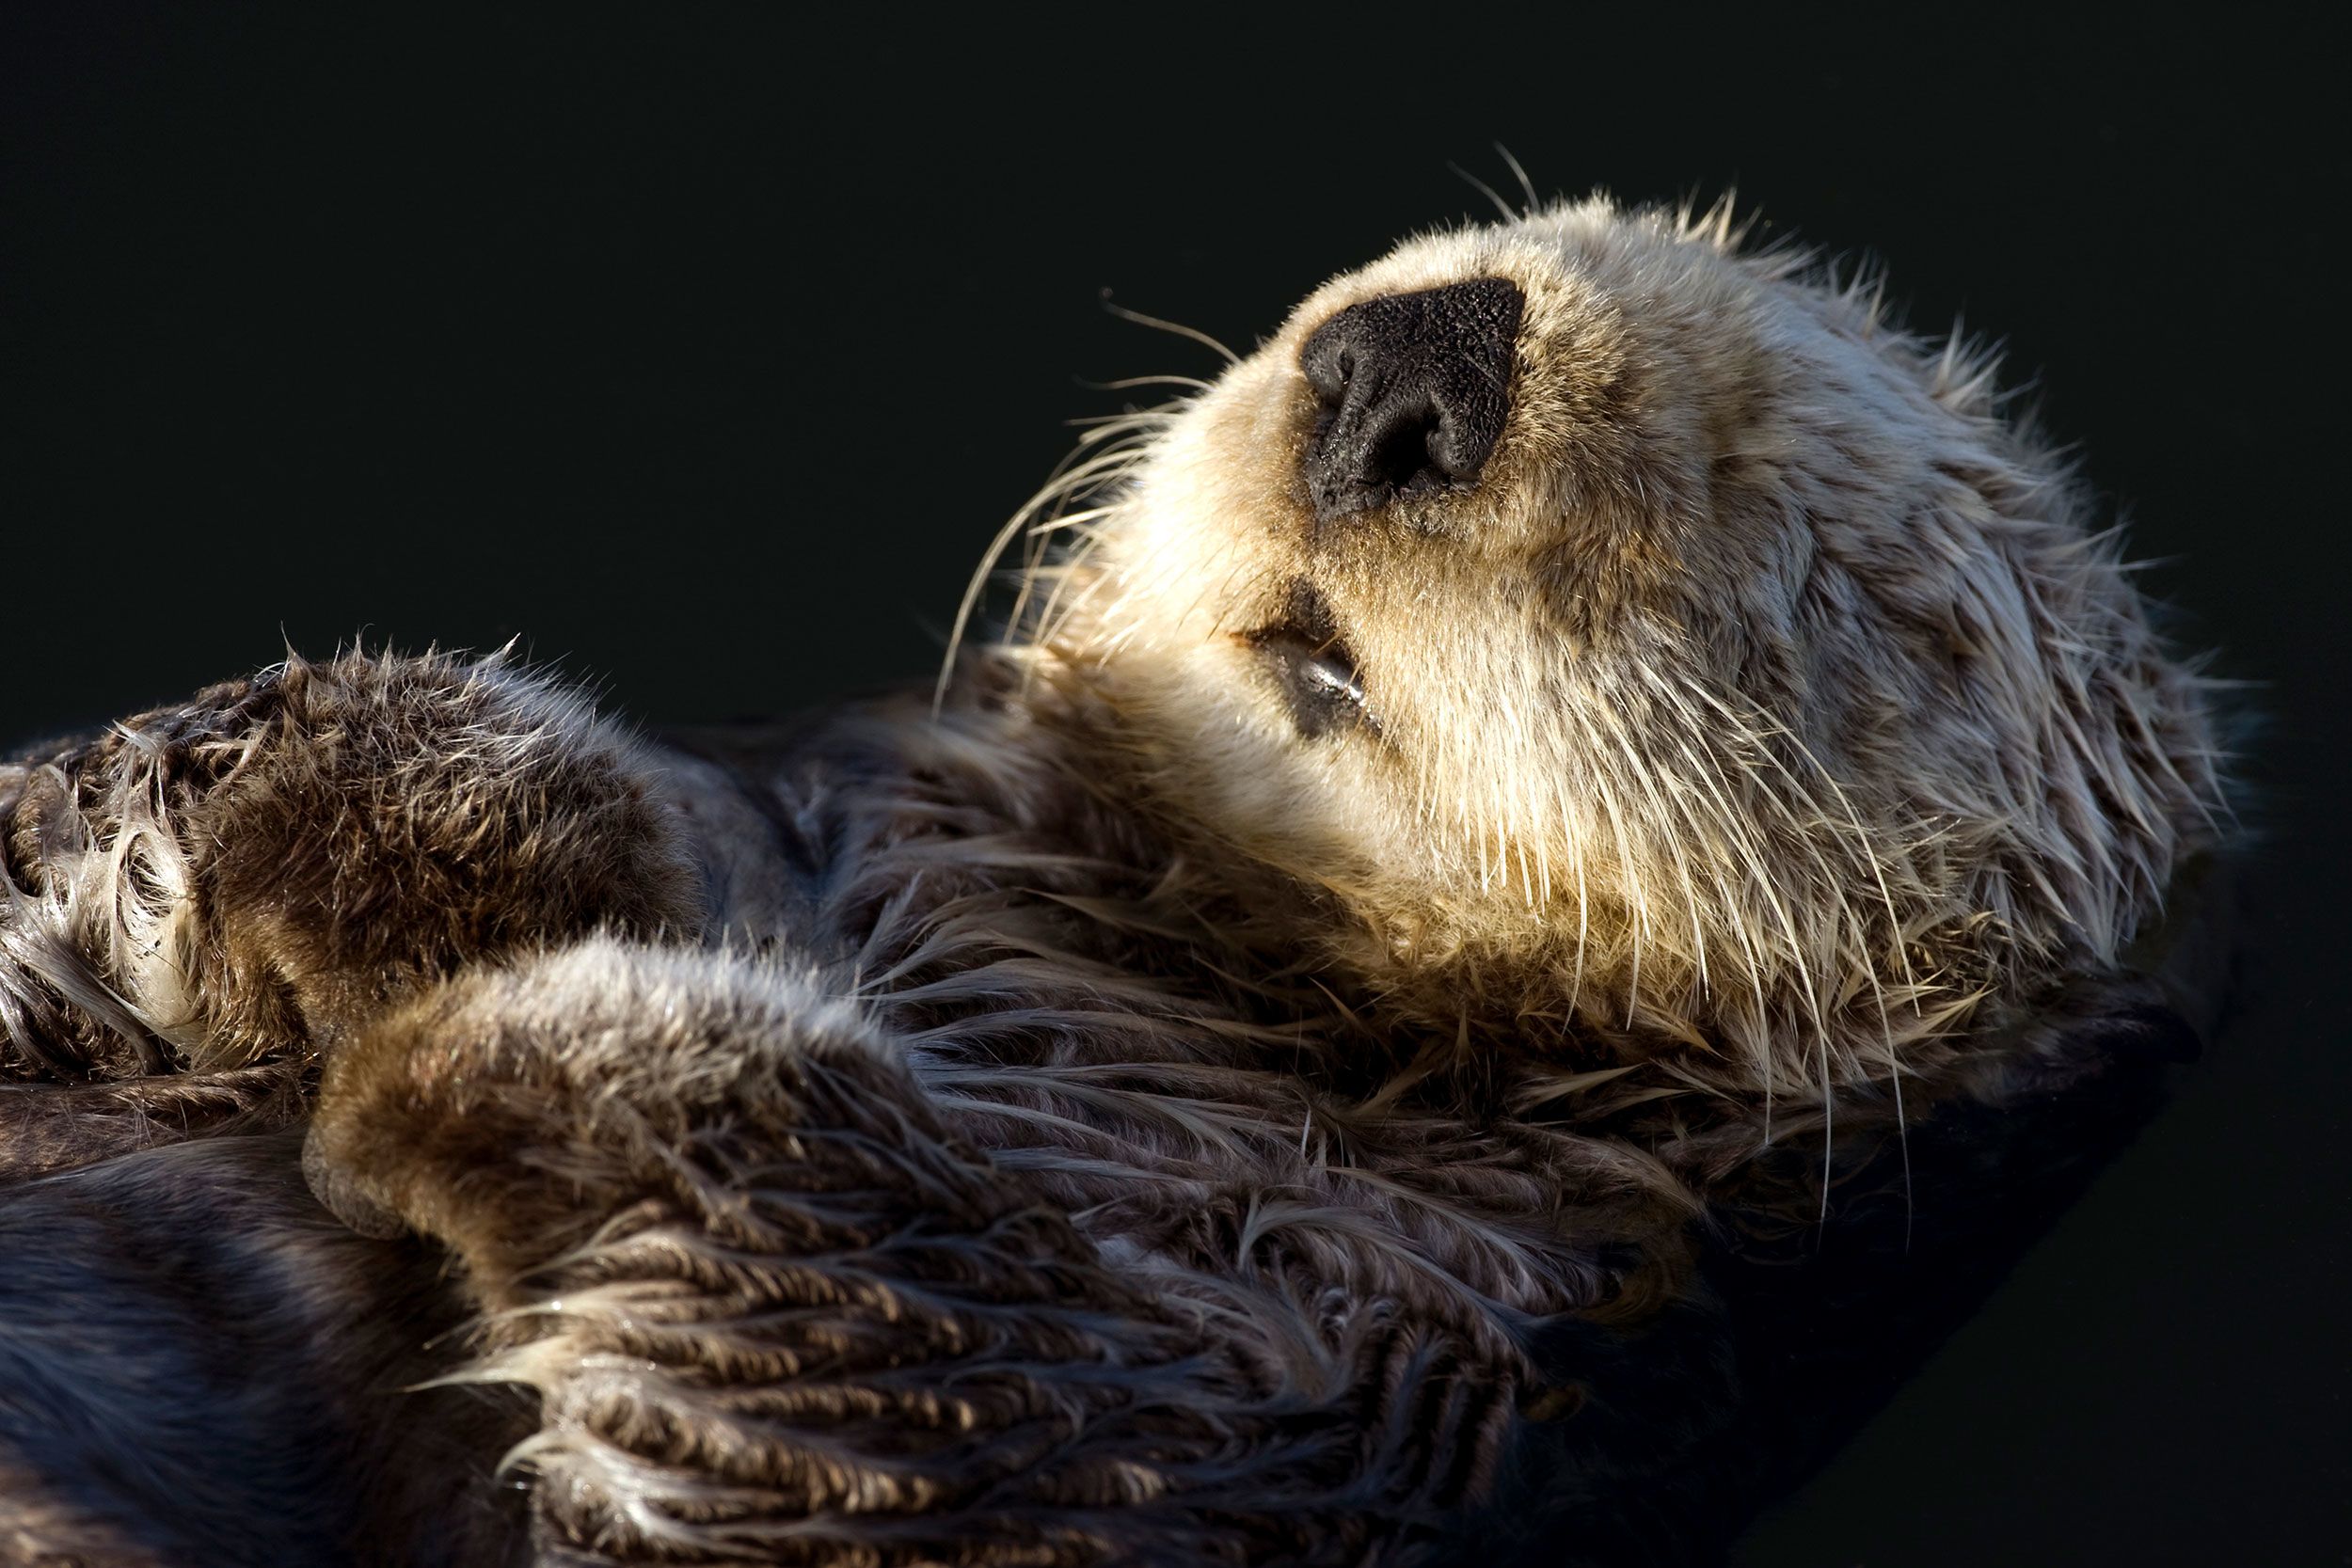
{"x":1403,"y":456}
{"x":1412,"y":391}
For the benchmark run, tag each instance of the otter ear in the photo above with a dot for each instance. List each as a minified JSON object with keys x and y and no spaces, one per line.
{"x":2146,"y":1030}
{"x":2160,"y":1004}
{"x":2100,"y":1044}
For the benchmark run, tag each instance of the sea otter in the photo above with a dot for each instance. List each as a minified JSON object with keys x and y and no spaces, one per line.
{"x":1537,"y":876}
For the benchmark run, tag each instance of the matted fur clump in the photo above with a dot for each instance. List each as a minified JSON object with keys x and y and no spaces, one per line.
{"x":231,"y":883}
{"x":1290,"y":1058}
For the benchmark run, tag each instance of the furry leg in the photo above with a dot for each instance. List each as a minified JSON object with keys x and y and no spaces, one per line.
{"x":776,"y":1311}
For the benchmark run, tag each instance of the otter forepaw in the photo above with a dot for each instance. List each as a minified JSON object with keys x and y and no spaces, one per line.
{"x":773,"y":1308}
{"x":510,"y":1112}
{"x":251,"y":874}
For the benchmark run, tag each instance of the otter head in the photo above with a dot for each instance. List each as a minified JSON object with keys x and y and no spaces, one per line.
{"x":1606,"y":625}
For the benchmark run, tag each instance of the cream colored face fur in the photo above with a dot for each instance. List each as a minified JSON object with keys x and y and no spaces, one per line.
{"x":1763,"y":693}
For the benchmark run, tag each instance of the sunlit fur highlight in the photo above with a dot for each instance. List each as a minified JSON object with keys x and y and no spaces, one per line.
{"x":1080,"y":1119}
{"x":1768,"y":712}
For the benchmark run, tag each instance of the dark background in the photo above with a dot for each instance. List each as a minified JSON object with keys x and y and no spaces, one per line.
{"x":703,"y":347}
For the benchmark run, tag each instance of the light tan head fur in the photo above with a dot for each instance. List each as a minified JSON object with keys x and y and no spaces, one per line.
{"x":1765,"y":707}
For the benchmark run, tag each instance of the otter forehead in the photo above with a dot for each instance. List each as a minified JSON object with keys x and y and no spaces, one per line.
{"x":1583,"y":596}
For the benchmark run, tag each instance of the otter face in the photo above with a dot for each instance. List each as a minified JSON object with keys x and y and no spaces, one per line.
{"x":1626,"y":630}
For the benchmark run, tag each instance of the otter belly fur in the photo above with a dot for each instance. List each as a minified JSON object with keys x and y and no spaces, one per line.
{"x":1541,"y":883}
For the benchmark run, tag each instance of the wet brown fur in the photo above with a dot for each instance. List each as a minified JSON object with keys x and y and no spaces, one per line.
{"x":1091,"y":1123}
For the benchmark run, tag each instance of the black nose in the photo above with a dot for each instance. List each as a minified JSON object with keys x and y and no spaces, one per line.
{"x":1414,"y":389}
